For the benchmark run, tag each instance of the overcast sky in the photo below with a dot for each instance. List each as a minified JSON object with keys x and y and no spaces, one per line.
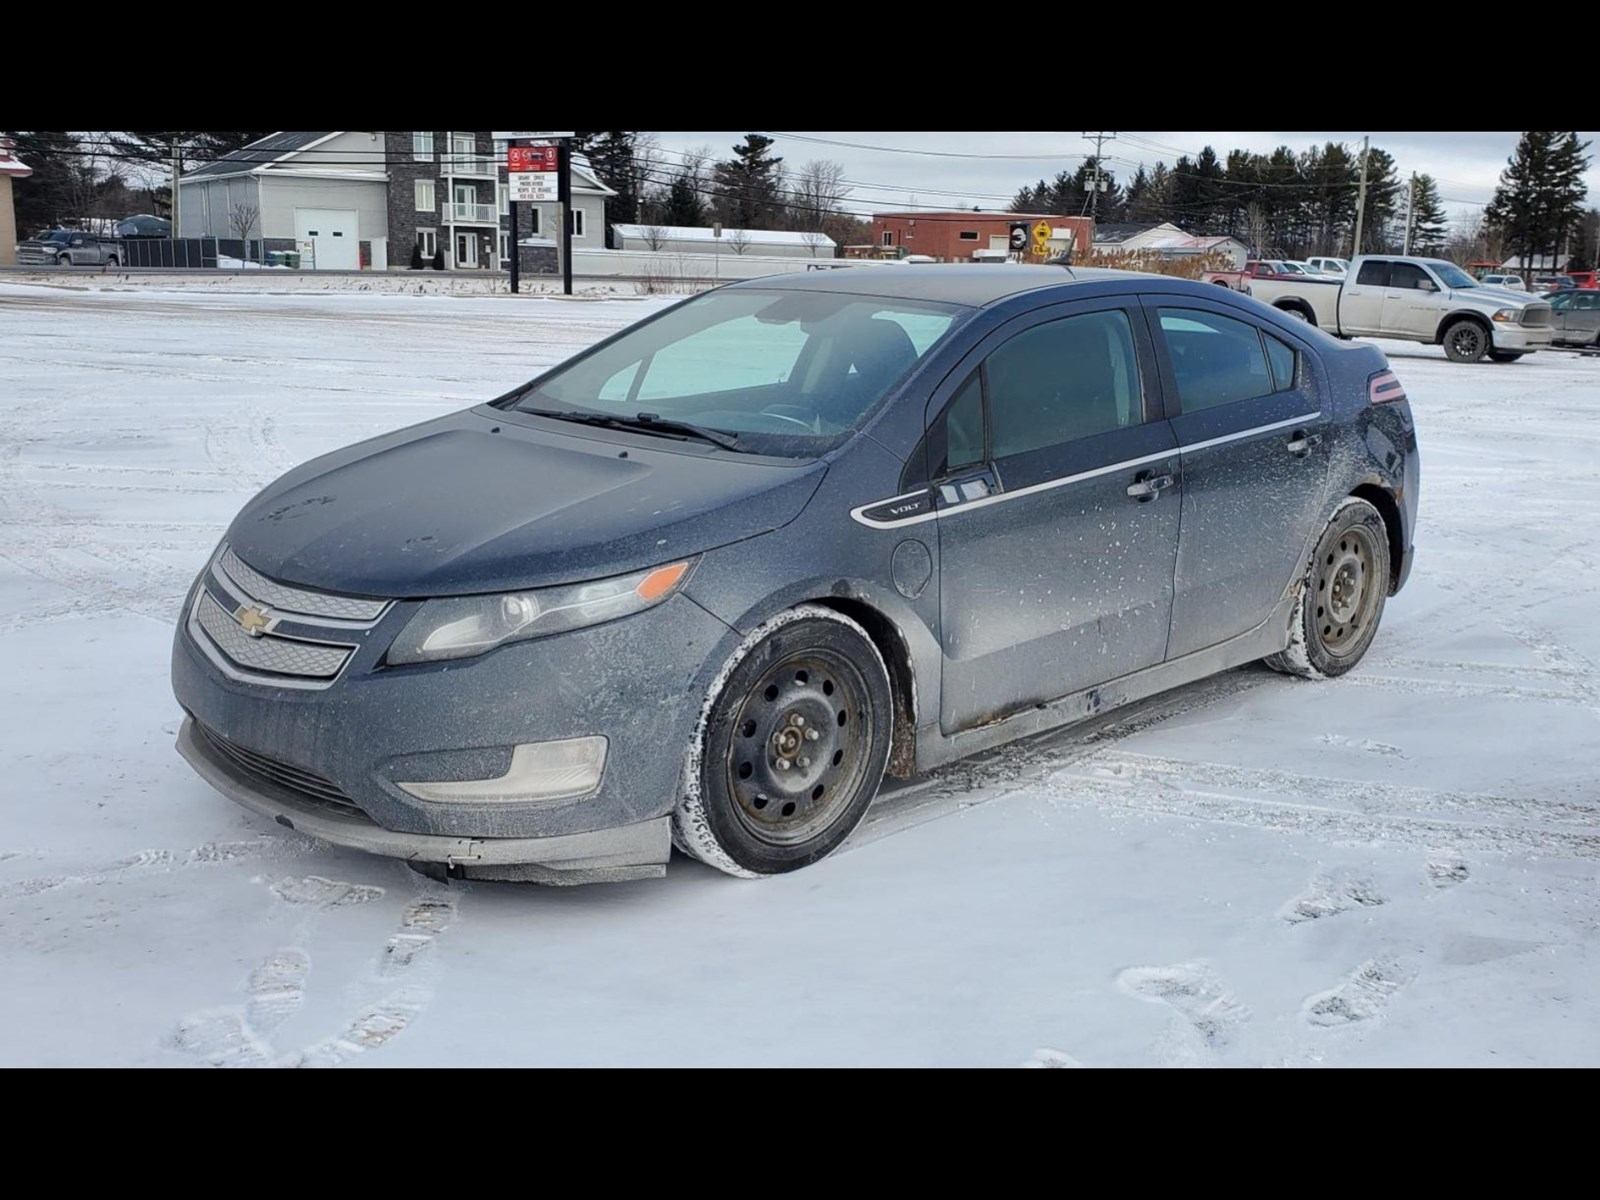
{"x":927,"y":170}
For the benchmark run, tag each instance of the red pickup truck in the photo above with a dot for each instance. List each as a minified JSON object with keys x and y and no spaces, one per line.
{"x":1262,"y":268}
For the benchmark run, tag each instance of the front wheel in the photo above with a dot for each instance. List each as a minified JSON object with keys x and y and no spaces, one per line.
{"x":1506,"y":355}
{"x":1466,"y":342}
{"x":791,"y":746}
{"x":64,"y":260}
{"x":1341,"y":595}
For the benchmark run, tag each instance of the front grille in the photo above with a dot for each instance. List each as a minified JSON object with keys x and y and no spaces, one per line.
{"x":307,"y":784}
{"x":268,"y":652}
{"x":298,"y":600}
{"x":1536,"y":314}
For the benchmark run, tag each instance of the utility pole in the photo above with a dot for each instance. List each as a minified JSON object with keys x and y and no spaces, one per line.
{"x":1096,"y":187}
{"x":564,"y":206}
{"x":1411,"y":212}
{"x":177,"y":169}
{"x":1361,"y":200}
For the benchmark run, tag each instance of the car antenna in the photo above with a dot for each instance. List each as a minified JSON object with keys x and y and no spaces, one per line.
{"x":1064,"y":263}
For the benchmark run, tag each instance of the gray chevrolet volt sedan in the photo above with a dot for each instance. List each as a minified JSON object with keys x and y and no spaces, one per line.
{"x":707,"y":582}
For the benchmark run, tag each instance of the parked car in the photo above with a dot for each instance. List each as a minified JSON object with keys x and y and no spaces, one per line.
{"x":144,"y":226}
{"x":1419,"y":300}
{"x":1330,"y":266}
{"x":68,"y":248}
{"x":1264,"y":268}
{"x":1511,"y":282}
{"x":1576,"y":316}
{"x":1552,"y":283}
{"x":707,"y":581}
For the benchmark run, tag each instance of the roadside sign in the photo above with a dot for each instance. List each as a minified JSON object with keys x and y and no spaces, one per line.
{"x":513,"y":137}
{"x":1041,"y":232}
{"x":1019,"y":235}
{"x":533,"y":173}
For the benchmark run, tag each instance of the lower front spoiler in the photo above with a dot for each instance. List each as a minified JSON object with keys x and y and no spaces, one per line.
{"x":637,"y":851}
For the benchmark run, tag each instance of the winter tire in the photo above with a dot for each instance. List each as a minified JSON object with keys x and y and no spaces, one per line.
{"x":790,"y":748}
{"x":1466,"y":342}
{"x":1506,"y":356}
{"x":1341,"y":595}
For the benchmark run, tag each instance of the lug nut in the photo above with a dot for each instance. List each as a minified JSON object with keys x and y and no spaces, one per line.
{"x":799,"y":721}
{"x":804,"y":762}
{"x":812,"y":735}
{"x":783,"y":764}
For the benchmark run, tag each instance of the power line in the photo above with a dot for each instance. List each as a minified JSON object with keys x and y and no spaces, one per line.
{"x":800,"y":137}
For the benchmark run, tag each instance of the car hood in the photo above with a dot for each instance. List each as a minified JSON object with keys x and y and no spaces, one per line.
{"x":484,"y":501}
{"x":1499,"y":294}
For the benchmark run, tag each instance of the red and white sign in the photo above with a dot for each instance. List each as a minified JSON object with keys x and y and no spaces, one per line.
{"x":532,"y":173}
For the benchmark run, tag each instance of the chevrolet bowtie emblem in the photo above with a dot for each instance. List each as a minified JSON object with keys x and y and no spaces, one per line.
{"x":254,"y":621}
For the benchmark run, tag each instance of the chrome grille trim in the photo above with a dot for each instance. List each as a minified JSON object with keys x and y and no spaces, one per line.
{"x":256,"y":586}
{"x":269,"y":652}
{"x":306,"y":784}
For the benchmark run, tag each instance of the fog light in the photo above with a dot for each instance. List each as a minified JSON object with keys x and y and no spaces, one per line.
{"x":538,"y":771}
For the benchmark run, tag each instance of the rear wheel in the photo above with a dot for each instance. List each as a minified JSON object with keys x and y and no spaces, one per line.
{"x":791,"y":748}
{"x":1466,"y":342}
{"x":112,"y":261}
{"x":1341,"y":595}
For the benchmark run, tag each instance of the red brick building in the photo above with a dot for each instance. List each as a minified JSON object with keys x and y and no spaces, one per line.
{"x":954,"y":236}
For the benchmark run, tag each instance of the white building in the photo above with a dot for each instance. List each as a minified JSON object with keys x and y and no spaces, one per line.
{"x":694,"y":239}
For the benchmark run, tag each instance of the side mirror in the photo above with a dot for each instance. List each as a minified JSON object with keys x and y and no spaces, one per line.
{"x":1427,"y":285}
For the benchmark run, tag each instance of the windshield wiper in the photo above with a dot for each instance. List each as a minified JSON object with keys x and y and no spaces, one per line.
{"x":642,"y":423}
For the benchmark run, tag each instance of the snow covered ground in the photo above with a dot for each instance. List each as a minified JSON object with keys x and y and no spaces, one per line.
{"x":1397,"y":868}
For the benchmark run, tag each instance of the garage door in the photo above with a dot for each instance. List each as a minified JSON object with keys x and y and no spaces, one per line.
{"x":331,"y":236}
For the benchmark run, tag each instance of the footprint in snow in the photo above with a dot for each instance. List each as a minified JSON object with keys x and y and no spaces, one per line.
{"x":421,"y":923}
{"x":325,"y":893}
{"x":276,"y":989}
{"x":1367,"y":744}
{"x":370,"y":1028}
{"x":1328,"y":895}
{"x":1194,"y":992}
{"x":1360,"y":998}
{"x":1051,"y":1059}
{"x":1446,"y":868}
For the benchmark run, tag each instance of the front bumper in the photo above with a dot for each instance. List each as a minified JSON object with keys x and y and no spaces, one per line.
{"x":636,"y":681}
{"x":1521,"y":337}
{"x":634,"y":851}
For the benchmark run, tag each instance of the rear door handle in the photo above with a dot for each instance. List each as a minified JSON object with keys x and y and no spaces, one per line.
{"x":1148,"y":487}
{"x":1301,"y":442}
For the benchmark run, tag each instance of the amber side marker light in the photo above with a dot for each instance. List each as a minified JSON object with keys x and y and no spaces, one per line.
{"x":660,"y":581}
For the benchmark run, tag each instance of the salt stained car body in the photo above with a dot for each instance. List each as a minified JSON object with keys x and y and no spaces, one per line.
{"x":707,"y":582}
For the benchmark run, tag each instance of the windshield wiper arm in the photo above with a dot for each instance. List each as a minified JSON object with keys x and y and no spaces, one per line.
{"x":642,"y":423}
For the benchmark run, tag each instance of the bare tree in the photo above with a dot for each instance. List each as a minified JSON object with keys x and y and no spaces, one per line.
{"x":1256,"y":216}
{"x":95,"y":184}
{"x":817,"y":192}
{"x":814,"y":242}
{"x":242,"y":219}
{"x":655,"y":236}
{"x":738,"y":240}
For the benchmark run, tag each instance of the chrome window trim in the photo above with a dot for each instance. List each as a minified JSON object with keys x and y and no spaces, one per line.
{"x":858,"y":513}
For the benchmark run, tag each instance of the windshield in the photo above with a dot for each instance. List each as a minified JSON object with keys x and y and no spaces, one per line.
{"x":50,"y":235}
{"x":790,"y":372}
{"x":1289,"y":268}
{"x":1451,"y":275}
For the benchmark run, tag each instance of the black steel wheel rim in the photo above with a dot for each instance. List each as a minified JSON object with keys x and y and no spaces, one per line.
{"x":1348,"y":591}
{"x":799,"y":746}
{"x":1467,"y":340}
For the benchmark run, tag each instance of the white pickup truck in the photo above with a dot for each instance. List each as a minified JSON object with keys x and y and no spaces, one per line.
{"x":1417,"y":300}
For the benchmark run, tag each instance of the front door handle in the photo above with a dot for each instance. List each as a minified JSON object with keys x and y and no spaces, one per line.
{"x":1301,"y":442}
{"x":1147,"y":487}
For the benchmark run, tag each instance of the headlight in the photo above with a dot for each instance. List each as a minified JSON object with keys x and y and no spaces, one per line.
{"x":1513,"y":315}
{"x":469,"y":625}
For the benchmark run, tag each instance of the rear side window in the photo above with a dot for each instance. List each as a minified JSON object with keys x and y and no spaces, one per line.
{"x":1061,"y":381}
{"x":1216,"y":360}
{"x":1374,"y":273}
{"x":1283,"y":360}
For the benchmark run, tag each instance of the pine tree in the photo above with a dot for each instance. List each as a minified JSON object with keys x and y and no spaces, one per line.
{"x":156,"y":148}
{"x":748,"y":186}
{"x":614,"y":158}
{"x":45,"y":197}
{"x":1429,"y":226}
{"x":1382,"y":208}
{"x":1540,"y":195}
{"x":684,"y":206}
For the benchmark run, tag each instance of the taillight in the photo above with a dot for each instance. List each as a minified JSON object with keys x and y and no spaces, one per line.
{"x":1384,"y":388}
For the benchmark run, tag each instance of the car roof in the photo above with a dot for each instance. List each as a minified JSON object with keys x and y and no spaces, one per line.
{"x":974,"y":285}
